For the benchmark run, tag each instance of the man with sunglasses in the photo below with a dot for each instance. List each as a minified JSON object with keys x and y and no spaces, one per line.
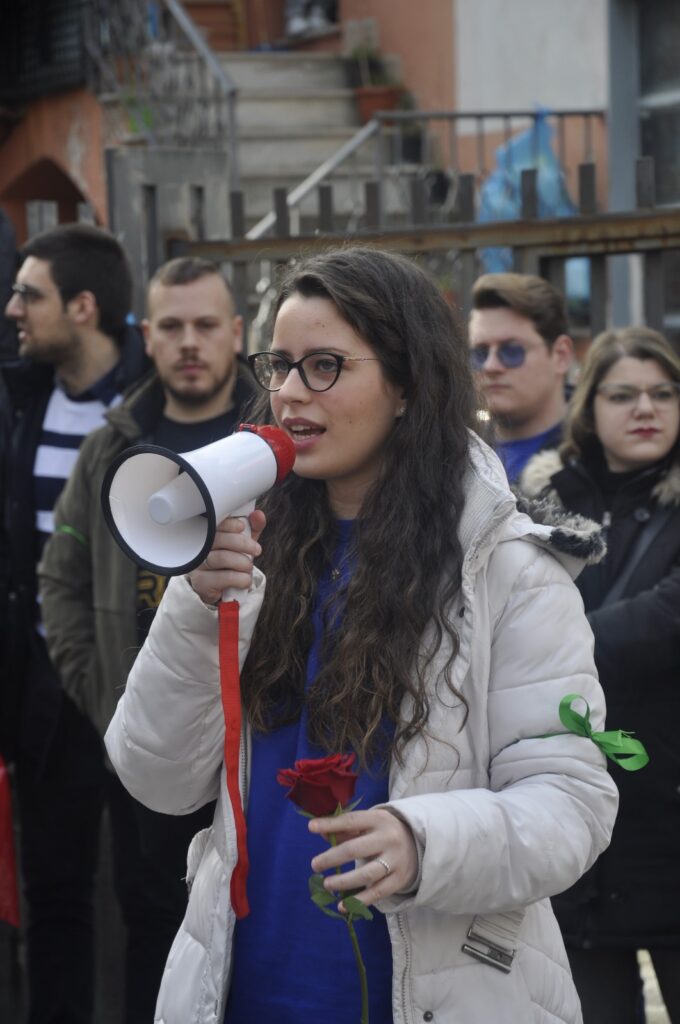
{"x":521,"y":353}
{"x":98,"y":605}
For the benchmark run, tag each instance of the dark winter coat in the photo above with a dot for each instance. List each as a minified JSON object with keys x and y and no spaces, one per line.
{"x":632,"y":895}
{"x":88,"y":585}
{"x":30,"y":693}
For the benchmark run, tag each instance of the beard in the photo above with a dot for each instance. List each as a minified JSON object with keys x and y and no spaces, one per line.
{"x":194,"y":399}
{"x":53,"y":351}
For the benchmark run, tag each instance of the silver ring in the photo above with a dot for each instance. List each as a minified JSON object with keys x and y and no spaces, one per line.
{"x":388,"y":869}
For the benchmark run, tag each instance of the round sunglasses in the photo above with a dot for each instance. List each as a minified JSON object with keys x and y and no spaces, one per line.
{"x":510,"y":354}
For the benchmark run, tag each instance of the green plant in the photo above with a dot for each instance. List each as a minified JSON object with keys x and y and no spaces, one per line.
{"x":370,"y":67}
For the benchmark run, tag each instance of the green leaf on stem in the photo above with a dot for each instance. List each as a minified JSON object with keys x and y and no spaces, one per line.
{"x":322,"y":897}
{"x":355,"y":908}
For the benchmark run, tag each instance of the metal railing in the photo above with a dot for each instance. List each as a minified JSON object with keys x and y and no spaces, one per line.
{"x":158,"y":78}
{"x":448,"y":144}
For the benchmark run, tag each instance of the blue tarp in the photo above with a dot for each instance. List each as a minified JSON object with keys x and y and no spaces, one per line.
{"x":500,"y":198}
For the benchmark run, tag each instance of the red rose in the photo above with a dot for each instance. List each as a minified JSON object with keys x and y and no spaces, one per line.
{"x":318,"y":786}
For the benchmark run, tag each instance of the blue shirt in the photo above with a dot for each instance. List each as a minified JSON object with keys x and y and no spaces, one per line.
{"x":292,"y":964}
{"x":515,"y":454}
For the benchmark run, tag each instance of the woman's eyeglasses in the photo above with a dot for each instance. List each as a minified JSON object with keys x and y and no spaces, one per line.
{"x":509,"y":354}
{"x":627,"y":395}
{"x":318,"y":371}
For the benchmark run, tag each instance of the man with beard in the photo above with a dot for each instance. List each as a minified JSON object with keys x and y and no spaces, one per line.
{"x":69,"y":304}
{"x":521,"y":354}
{"x":98,"y":605}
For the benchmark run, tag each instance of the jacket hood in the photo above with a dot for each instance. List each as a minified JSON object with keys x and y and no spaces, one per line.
{"x":574,"y":540}
{"x":536,"y":480}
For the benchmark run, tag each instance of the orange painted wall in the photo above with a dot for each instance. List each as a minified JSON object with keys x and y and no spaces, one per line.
{"x":66,"y":129}
{"x":421,"y":35}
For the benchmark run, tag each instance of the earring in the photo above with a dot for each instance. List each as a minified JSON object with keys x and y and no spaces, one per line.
{"x":401,"y":410}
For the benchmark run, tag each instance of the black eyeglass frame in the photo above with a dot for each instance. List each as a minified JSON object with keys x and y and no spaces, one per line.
{"x":298,"y":365}
{"x":26,"y":292}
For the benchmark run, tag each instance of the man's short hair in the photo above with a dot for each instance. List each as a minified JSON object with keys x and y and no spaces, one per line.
{"x":186,"y":270}
{"x":528,"y":296}
{"x":84,"y":258}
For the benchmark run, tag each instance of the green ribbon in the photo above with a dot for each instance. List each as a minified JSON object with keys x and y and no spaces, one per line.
{"x":72,"y":532}
{"x":616,"y":744}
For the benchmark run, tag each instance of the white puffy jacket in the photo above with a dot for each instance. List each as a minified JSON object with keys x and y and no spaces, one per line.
{"x":504,"y":814}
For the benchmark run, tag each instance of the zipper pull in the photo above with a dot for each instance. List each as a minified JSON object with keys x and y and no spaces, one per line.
{"x":606,"y":520}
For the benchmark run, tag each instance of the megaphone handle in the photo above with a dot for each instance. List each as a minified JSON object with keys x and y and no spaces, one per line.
{"x":233,"y":593}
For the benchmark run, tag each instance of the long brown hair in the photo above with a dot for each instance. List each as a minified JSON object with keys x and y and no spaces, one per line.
{"x":606,"y":350}
{"x":407,"y":556}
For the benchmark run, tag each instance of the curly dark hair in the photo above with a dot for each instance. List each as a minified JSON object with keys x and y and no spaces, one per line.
{"x":407,"y":569}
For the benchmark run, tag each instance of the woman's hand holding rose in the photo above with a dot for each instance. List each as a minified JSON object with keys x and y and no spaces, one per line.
{"x":366,"y":836}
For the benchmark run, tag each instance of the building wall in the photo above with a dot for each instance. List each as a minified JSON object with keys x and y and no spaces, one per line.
{"x":517,"y":54}
{"x":55,"y":152}
{"x":527,"y":54}
{"x":421,"y":36}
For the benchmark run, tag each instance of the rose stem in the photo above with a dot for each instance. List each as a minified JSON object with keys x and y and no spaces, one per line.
{"x":357,"y":953}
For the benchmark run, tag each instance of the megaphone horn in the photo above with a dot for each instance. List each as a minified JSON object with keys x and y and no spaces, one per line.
{"x":163,"y":508}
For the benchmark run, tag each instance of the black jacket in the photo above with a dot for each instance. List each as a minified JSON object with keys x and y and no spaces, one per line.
{"x":29,"y":688}
{"x":89,"y":586}
{"x":631,"y":897}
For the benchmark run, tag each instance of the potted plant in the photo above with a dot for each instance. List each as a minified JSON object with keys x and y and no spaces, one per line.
{"x":411,"y":133}
{"x":374,"y":87}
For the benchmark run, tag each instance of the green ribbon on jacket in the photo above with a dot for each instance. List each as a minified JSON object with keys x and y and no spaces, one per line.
{"x":616,"y":744}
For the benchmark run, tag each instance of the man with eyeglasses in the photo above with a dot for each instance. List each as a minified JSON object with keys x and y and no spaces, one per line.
{"x":77,"y":354}
{"x":521,"y":353}
{"x":98,"y":605}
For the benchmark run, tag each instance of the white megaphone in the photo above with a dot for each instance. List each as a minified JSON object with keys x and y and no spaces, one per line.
{"x":163,"y":508}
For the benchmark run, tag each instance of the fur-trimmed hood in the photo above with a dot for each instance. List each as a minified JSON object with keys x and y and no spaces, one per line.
{"x":536,"y":481}
{"x":573,"y":539}
{"x":571,"y":533}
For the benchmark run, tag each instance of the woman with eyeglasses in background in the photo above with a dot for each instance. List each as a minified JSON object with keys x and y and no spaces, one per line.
{"x":414,"y":619}
{"x":620,"y":465}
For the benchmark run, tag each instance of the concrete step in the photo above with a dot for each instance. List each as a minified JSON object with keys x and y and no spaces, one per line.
{"x":268,"y":109}
{"x":297,"y":150}
{"x":290,"y":71}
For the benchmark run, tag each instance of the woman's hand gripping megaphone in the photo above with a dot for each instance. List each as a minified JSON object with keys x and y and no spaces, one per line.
{"x":229,"y":563}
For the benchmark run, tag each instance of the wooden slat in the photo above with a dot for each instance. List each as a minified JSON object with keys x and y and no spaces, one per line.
{"x":587,"y":189}
{"x":238,"y":214}
{"x":239,"y":270}
{"x":553,"y":270}
{"x":326,"y":221}
{"x":282,"y":213}
{"x":653,"y":290}
{"x":598,"y":294}
{"x":609,"y":233}
{"x":465,"y":199}
{"x":468,"y":263}
{"x":529,"y":189}
{"x":372,"y":201}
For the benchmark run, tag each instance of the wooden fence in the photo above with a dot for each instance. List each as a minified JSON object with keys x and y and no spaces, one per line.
{"x":538,"y":246}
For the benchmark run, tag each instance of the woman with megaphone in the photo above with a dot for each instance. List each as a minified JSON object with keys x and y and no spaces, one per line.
{"x":419,"y":635}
